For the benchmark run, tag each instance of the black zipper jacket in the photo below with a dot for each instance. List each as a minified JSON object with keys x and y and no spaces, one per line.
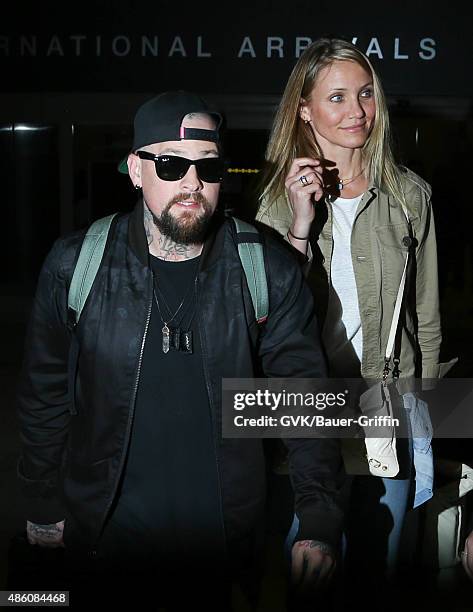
{"x":78,"y":384}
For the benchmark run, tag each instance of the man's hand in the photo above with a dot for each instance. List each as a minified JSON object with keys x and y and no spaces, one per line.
{"x":48,"y":536}
{"x":467,"y":556}
{"x":313,"y":564}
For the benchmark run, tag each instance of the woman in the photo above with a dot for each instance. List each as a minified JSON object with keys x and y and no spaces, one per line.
{"x":333,"y":190}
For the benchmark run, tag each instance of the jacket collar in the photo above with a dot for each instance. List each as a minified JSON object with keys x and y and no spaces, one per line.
{"x":139,"y":243}
{"x":137,"y":235}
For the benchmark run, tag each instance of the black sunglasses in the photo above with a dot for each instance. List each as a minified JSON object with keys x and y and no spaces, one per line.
{"x":173,"y":167}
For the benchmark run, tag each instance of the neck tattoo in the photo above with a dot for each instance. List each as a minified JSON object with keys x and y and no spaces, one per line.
{"x":162,"y":246}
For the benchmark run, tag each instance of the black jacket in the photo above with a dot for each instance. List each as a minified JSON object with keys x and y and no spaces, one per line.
{"x":78,"y":386}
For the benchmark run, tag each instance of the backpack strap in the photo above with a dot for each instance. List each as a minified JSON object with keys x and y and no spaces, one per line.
{"x":87,"y":265}
{"x":250,"y":250}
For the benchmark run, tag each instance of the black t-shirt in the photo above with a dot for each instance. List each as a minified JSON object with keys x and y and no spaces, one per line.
{"x":169,"y":502}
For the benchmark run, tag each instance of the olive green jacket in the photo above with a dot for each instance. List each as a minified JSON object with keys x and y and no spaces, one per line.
{"x":381,"y":237}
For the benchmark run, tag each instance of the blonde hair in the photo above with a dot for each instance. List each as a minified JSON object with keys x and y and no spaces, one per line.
{"x":291,"y":137}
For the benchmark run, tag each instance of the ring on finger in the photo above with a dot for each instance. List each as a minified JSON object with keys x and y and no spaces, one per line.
{"x":303,"y":180}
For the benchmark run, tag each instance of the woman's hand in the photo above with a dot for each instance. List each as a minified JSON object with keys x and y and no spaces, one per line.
{"x":304,"y":185}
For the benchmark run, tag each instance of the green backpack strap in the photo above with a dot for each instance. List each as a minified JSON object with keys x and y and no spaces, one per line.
{"x":87,"y":265}
{"x":250,"y":250}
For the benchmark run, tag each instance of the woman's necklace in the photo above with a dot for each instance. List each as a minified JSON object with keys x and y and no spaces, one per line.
{"x":343,"y":182}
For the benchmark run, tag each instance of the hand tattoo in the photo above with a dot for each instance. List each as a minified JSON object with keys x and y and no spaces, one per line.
{"x":323,"y":546}
{"x":46,"y":535}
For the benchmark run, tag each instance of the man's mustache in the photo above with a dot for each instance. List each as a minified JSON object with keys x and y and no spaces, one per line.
{"x":183,"y":197}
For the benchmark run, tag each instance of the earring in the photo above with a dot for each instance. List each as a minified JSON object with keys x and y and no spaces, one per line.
{"x":137,"y":187}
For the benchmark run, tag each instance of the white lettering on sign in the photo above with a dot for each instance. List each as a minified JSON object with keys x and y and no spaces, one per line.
{"x":177,"y":47}
{"x":55,"y":47}
{"x":77,"y":39}
{"x":427,"y":44}
{"x":246,"y":47}
{"x":121,"y":46}
{"x":269,"y":47}
{"x":200,"y":52}
{"x":397,"y":54}
{"x":302,"y":42}
{"x":374,"y":48}
{"x":274,"y":43}
{"x":28,"y":45}
{"x":5,"y":45}
{"x":149,"y":47}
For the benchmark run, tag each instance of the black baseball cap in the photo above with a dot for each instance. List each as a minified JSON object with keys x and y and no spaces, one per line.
{"x":160,"y":119}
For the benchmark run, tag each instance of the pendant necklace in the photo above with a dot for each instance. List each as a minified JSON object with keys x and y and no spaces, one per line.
{"x":341,"y":183}
{"x":173,"y":337}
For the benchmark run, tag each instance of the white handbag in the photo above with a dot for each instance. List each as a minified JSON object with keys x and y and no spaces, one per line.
{"x":381,"y":452}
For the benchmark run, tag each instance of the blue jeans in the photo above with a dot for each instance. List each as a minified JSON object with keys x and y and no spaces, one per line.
{"x":375,"y":517}
{"x":420,"y":427}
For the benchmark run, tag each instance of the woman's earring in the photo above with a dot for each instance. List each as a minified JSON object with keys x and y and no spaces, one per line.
{"x":137,"y":187}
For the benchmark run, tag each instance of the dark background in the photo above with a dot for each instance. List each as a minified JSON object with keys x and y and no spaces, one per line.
{"x":65,"y":122}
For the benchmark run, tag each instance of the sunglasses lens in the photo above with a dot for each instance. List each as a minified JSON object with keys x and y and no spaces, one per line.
{"x":210,"y":170}
{"x":171,"y":168}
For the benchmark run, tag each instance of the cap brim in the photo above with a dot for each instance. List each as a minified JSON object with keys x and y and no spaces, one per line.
{"x":123,"y":166}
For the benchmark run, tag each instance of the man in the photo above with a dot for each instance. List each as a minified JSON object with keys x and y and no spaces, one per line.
{"x":123,"y":459}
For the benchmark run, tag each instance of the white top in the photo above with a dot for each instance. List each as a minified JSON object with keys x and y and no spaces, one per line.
{"x":342,"y":330}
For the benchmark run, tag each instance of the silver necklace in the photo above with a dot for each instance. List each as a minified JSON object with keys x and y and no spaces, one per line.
{"x":169,"y":333}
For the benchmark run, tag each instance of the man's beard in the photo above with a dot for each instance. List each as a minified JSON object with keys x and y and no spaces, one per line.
{"x":189,"y":227}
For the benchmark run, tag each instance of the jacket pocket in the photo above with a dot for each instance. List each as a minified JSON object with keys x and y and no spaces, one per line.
{"x":394,"y":243}
{"x":86,"y":489}
{"x":431,"y":373}
{"x":89,"y":473}
{"x":87,"y":483}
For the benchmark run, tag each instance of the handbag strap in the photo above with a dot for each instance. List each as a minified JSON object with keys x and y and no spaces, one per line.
{"x":397,"y":307}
